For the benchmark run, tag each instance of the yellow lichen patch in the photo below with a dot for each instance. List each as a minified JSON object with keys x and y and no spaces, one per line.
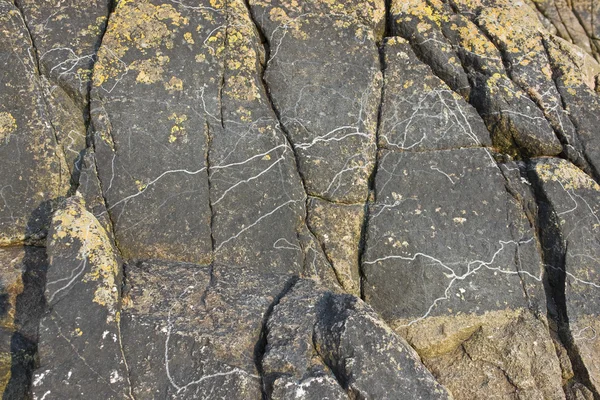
{"x":517,"y":29}
{"x":188,"y":37}
{"x":474,"y":41}
{"x":139,"y":25}
{"x":174,"y":84}
{"x":94,"y":29}
{"x":576,"y":67}
{"x":150,"y":70}
{"x":178,"y":130}
{"x":200,"y":58}
{"x":8,"y":125}
{"x":567,"y":174}
{"x":79,"y":227}
{"x":241,"y":57}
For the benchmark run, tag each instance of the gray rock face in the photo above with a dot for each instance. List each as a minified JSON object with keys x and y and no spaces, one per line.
{"x":467,"y":251}
{"x":282,"y":199}
{"x":419,"y":111}
{"x":324,"y":79}
{"x":316,"y":337}
{"x":66,"y":38}
{"x":570,"y":242}
{"x":30,"y":156}
{"x":85,"y":271}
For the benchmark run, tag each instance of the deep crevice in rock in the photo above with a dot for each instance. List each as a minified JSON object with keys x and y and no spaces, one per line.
{"x":372,"y":178}
{"x":554,"y":252}
{"x":209,"y":183}
{"x":260,"y":347}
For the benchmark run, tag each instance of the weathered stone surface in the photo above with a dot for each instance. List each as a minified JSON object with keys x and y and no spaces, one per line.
{"x":416,"y":21}
{"x":466,"y":251}
{"x":152,"y":162}
{"x":570,"y":240}
{"x":574,"y":73}
{"x":338,"y":228}
{"x":66,"y":37}
{"x":80,"y":340}
{"x":31,"y":161}
{"x":433,"y":260}
{"x":251,"y":162}
{"x":241,"y":171}
{"x":419,"y":111}
{"x":202,"y":323}
{"x":324,"y":79}
{"x":497,"y":355}
{"x":574,"y":21}
{"x":315,"y":336}
{"x":514,"y":120}
{"x":90,"y":189}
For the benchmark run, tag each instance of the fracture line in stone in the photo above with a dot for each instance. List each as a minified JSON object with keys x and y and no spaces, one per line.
{"x":174,"y":171}
{"x":472,"y":268}
{"x":256,"y":222}
{"x":285,"y":245}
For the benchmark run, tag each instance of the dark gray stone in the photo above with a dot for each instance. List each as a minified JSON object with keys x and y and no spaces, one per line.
{"x":420,"y":112}
{"x":66,"y":38}
{"x":446,"y":237}
{"x":318,"y":340}
{"x":192,"y":331}
{"x":31,"y":161}
{"x":324,"y":79}
{"x":80,"y":339}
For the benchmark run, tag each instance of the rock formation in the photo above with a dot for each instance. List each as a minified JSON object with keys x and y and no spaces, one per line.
{"x":285,"y":199}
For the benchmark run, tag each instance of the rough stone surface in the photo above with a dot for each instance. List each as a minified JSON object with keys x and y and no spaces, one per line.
{"x":419,"y":111}
{"x":338,"y":229}
{"x":570,"y":242}
{"x":202,"y":323}
{"x":324,"y":78}
{"x":66,"y":37}
{"x":284,"y":199}
{"x":80,"y":349}
{"x":316,"y":337}
{"x":31,"y":161}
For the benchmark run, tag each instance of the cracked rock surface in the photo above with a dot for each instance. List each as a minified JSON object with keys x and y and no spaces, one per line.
{"x":284,"y":199}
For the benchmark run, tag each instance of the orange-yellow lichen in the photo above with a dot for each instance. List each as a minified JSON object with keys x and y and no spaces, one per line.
{"x":137,"y":25}
{"x":80,"y":228}
{"x":567,"y":174}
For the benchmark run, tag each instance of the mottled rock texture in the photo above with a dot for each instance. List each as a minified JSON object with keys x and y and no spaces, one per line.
{"x":285,"y":199}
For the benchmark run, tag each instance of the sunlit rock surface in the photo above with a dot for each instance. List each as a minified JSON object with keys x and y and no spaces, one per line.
{"x":282,"y":199}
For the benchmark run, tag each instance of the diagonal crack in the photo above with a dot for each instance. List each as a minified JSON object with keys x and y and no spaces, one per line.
{"x":286,"y":134}
{"x":372,"y":178}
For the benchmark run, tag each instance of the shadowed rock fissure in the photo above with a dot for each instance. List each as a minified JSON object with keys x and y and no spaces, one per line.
{"x":261,"y":346}
{"x":553,"y":255}
{"x":209,"y":182}
{"x":371,"y":199}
